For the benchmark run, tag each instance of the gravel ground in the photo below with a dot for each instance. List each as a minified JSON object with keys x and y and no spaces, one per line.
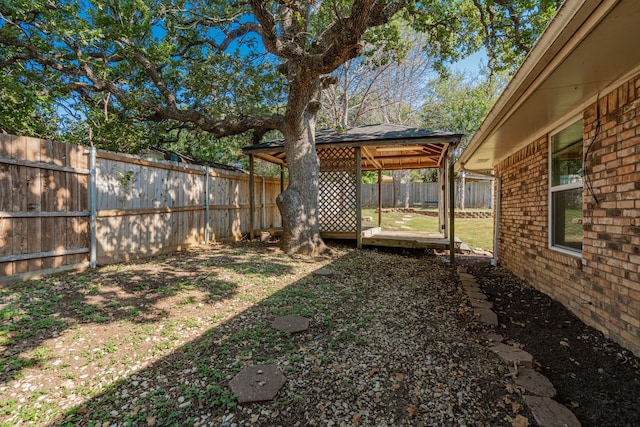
{"x":392,"y":342}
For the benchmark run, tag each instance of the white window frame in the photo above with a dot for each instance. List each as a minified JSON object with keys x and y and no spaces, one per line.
{"x":562,"y":187}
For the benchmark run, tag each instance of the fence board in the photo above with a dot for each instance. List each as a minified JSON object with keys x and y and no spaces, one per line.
{"x":477,"y":195}
{"x":144,"y":207}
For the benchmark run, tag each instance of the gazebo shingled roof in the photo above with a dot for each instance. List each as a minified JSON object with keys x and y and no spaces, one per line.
{"x":384,"y":146}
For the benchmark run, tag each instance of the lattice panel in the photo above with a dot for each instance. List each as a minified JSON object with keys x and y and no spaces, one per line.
{"x":337,"y":190}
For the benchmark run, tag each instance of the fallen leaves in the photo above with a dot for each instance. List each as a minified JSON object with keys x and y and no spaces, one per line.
{"x":518,"y":421}
{"x":413,"y":411}
{"x":515,"y":406}
{"x":357,"y":418}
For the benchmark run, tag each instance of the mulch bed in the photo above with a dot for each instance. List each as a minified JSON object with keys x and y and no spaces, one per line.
{"x":595,"y":377}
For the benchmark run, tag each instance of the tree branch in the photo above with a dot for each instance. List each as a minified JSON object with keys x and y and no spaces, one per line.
{"x":218,"y":126}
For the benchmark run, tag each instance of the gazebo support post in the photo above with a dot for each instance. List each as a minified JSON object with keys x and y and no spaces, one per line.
{"x":252,"y":201}
{"x":442,"y":198}
{"x":452,"y":215}
{"x":282,"y":178}
{"x":359,"y":197}
{"x":380,"y":198}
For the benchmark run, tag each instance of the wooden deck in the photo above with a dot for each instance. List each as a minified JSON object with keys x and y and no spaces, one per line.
{"x":375,"y":236}
{"x":406,"y":239}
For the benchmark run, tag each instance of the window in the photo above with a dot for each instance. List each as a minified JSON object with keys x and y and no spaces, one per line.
{"x":565,"y":214}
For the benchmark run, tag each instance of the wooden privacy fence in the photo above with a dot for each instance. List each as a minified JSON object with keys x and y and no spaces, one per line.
{"x":55,"y":217}
{"x":477,"y":194}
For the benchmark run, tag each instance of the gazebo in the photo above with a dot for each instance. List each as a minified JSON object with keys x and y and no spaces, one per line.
{"x":344,"y":155}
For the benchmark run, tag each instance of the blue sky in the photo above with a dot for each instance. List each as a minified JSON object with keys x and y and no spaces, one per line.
{"x":472,"y":63}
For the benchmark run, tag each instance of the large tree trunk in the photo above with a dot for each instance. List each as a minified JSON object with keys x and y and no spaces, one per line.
{"x":298,"y":204}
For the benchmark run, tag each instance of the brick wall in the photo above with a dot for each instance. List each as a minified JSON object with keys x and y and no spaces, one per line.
{"x":603,"y":287}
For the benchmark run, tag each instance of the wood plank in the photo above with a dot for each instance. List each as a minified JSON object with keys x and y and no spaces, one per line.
{"x":84,"y":193}
{"x":7,"y":269}
{"x":125,"y":158}
{"x":130,"y":212}
{"x":43,"y":165}
{"x":37,"y":255}
{"x":18,"y":148}
{"x":20,"y":243}
{"x":48,"y":239}
{"x":46,"y":151}
{"x":6,"y":236}
{"x":42,"y":273}
{"x":34,"y":241}
{"x":60,"y":193}
{"x":6,"y":176}
{"x":32,"y":146}
{"x":5,"y":145}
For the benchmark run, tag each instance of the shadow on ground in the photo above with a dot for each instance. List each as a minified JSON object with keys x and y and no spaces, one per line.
{"x":155,"y":343}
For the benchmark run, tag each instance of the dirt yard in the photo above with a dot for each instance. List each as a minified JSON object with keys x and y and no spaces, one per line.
{"x":391,"y":342}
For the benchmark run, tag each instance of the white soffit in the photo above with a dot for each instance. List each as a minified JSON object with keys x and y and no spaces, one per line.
{"x":588,"y":46}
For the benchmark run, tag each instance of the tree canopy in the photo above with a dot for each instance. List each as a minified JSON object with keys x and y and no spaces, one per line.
{"x":228,"y":68}
{"x":214,"y":65}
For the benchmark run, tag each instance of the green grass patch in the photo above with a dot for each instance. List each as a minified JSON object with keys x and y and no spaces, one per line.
{"x":476,"y":232}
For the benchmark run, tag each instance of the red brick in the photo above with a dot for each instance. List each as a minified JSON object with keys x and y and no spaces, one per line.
{"x":609,"y":261}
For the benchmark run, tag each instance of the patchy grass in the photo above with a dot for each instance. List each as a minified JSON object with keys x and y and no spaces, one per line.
{"x":155,"y":342}
{"x":476,"y":232}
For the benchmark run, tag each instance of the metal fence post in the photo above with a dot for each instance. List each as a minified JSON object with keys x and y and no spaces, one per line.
{"x":92,"y":201}
{"x":207,"y":230}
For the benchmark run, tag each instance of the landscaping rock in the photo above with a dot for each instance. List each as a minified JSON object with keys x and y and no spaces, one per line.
{"x":549,"y":413}
{"x":535,"y":383}
{"x":479,"y":303}
{"x":486,"y":316}
{"x":466,"y":276}
{"x":493,"y":338}
{"x":513,"y":355}
{"x":257,"y":383}
{"x":476,"y":295}
{"x":471,"y":288}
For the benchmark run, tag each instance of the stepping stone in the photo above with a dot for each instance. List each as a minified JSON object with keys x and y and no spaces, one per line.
{"x":324,"y":272}
{"x":399,"y":222}
{"x":257,"y":383}
{"x":535,"y":383}
{"x":493,"y":339}
{"x":476,"y":295}
{"x":406,"y":227}
{"x":466,"y":276}
{"x":479,"y":303}
{"x":469,"y":282}
{"x":549,"y":413}
{"x":291,"y":324}
{"x":513,"y":355}
{"x":471,"y":287}
{"x":461,"y":269}
{"x":486,"y":316}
